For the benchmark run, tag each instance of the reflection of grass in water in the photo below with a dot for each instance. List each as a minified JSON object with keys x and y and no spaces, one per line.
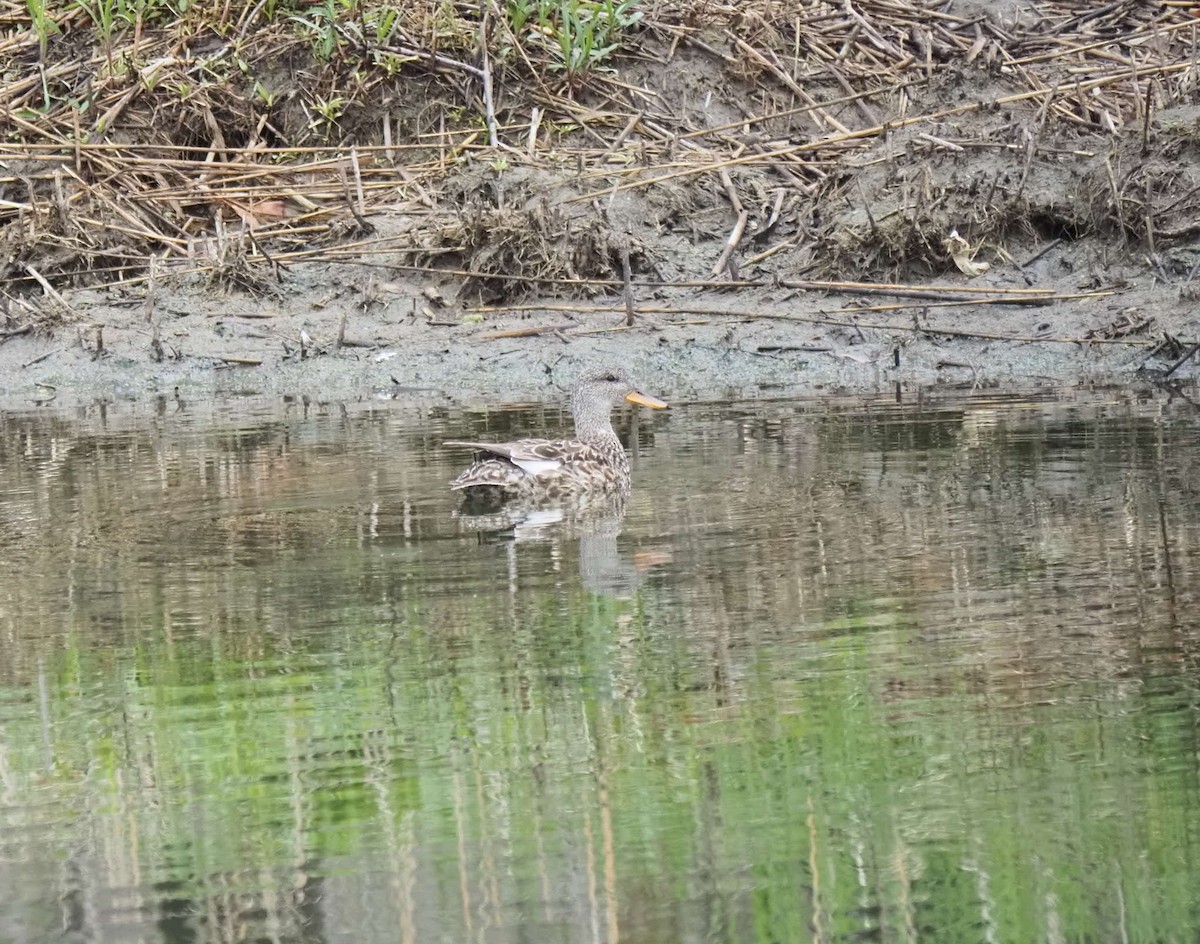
{"x":936,"y":816}
{"x":822,"y":788}
{"x":215,"y":754}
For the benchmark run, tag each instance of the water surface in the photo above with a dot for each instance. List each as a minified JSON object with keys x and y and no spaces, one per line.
{"x":836,"y":671}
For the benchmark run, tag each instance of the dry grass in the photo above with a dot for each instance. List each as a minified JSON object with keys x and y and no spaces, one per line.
{"x":232,"y":141}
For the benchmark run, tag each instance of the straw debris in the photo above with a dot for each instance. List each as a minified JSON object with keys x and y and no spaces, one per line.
{"x":823,"y":138}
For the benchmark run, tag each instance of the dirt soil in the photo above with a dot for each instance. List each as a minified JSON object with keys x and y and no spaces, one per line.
{"x":1005,"y":237}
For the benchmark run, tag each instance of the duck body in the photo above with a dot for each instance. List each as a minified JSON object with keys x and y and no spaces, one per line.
{"x":550,"y":470}
{"x":542,"y":469}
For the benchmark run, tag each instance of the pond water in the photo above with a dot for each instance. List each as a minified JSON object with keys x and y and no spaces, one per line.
{"x":837,"y":671}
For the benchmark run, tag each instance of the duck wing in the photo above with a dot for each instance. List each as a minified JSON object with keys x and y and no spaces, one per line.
{"x":534,"y":456}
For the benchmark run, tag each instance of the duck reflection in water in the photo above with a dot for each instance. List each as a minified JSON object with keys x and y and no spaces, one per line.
{"x":594,"y":521}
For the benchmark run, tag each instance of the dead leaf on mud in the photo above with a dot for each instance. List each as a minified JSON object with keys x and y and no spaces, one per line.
{"x":435,"y":298}
{"x":962,"y":254}
{"x":857,"y":355}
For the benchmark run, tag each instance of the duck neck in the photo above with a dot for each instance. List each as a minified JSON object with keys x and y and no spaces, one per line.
{"x":593,"y":421}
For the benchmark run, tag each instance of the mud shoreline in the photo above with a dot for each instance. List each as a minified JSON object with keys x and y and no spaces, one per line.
{"x":999,"y":148}
{"x":222,"y":344}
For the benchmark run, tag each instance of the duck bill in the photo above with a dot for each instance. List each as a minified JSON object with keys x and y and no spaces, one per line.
{"x":644,"y":399}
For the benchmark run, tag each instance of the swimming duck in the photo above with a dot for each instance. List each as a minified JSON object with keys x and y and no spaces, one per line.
{"x":550,"y":469}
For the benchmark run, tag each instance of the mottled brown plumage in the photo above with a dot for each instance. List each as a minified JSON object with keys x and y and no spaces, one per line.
{"x":552,"y":469}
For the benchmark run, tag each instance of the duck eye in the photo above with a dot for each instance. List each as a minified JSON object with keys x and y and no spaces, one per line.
{"x":611,"y":378}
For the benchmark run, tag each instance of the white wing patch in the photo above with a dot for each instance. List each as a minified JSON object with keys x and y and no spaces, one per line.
{"x":535,"y":466}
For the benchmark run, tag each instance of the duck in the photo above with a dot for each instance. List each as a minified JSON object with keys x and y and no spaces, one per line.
{"x":541,"y":470}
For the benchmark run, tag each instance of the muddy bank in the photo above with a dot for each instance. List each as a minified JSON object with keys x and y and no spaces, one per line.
{"x":410,"y":337}
{"x":750,"y":179}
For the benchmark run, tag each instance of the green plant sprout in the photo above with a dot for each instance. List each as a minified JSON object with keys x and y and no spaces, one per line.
{"x":578,"y":34}
{"x":43,"y":25}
